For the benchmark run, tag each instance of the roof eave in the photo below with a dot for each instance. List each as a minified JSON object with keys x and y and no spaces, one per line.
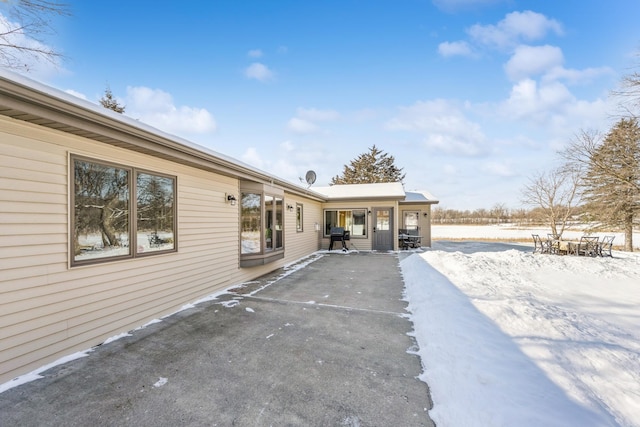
{"x":24,"y":102}
{"x":420,"y":202}
{"x":357,"y":198}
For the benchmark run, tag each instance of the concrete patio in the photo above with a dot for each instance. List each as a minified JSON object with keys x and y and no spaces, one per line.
{"x":326,"y":344}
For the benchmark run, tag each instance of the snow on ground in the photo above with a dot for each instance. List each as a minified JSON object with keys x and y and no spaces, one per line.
{"x":509,"y":338}
{"x":36,"y":374}
{"x":511,"y":231}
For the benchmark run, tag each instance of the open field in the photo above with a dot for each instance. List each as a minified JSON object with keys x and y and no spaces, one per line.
{"x":514,"y":233}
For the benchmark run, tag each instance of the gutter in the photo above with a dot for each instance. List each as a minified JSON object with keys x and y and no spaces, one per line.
{"x":27,"y":100}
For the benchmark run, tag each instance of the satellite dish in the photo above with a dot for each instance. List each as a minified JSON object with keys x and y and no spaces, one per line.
{"x":310,"y":177}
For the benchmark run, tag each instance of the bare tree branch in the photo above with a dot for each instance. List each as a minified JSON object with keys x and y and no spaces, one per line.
{"x":556,"y":194}
{"x":23,"y":24}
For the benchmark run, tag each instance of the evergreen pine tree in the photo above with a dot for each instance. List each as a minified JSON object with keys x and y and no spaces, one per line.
{"x":612,"y":182}
{"x":374,"y":166}
{"x":108,"y":101}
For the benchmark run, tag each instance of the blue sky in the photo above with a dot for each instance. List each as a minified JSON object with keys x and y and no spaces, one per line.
{"x":471,"y":97}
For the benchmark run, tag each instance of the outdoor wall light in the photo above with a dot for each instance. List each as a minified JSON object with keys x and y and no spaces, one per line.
{"x":425,"y":214}
{"x":290,"y":208}
{"x":369,"y":212}
{"x":231,"y":199}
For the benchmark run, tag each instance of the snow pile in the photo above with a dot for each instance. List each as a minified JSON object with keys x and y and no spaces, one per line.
{"x":512,"y":338}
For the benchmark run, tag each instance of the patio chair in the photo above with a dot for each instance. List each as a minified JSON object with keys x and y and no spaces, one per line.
{"x":539,"y":245}
{"x":588,"y":246}
{"x":415,"y":240}
{"x":403,"y":238}
{"x":604,"y":248}
{"x":553,"y":240}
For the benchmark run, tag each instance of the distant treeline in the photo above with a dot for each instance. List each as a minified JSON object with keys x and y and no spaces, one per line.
{"x":499,"y":214}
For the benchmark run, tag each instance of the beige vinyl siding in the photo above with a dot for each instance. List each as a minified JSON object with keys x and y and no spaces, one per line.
{"x":362,"y":244}
{"x":424,"y":221}
{"x":47,"y":309}
{"x":301,"y":243}
{"x":33,"y":212}
{"x":296,"y":245}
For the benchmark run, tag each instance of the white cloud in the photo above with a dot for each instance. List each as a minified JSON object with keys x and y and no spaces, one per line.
{"x":258,"y":72}
{"x":459,"y":48}
{"x":529,"y":61}
{"x":156,"y":108}
{"x":445,"y":126}
{"x":515,"y":28}
{"x":502,"y":169}
{"x":449,"y":169}
{"x":316,"y":115}
{"x":306,"y":120}
{"x":550,"y":108}
{"x":252,"y":157}
{"x":22,"y":61}
{"x":453,"y":144}
{"x":254,"y":53}
{"x":529,"y":99}
{"x":299,"y":125}
{"x":291,"y":166}
{"x":577,"y":76}
{"x":365,"y":115}
{"x":287,"y":146}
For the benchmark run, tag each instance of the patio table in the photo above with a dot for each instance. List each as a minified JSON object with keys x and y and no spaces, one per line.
{"x":566,"y":246}
{"x":409,"y":240}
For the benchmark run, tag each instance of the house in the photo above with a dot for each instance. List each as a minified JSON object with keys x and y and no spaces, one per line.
{"x":108,"y":223}
{"x":373,"y":213}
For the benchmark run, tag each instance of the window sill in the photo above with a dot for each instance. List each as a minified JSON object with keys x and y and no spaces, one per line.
{"x":256,"y":260}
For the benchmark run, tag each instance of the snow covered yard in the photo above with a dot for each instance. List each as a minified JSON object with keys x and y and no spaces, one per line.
{"x":510,"y":338}
{"x":511,"y":232}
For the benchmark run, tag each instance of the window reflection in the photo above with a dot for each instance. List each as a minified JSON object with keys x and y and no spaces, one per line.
{"x":269,"y":222}
{"x":278,"y":225}
{"x":273,"y":222}
{"x":299,"y":218}
{"x":411,"y":220}
{"x":355,"y":221}
{"x":250,"y":223}
{"x":155,"y":212}
{"x":382,"y":220}
{"x":101,"y":211}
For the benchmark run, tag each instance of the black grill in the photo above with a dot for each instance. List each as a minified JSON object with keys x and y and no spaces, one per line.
{"x":339,"y":234}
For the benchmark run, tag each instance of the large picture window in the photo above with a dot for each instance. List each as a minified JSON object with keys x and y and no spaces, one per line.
{"x":352,"y":220}
{"x":261,"y":227}
{"x":102,"y":224}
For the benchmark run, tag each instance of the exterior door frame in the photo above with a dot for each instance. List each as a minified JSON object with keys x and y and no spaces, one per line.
{"x":383,"y":232}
